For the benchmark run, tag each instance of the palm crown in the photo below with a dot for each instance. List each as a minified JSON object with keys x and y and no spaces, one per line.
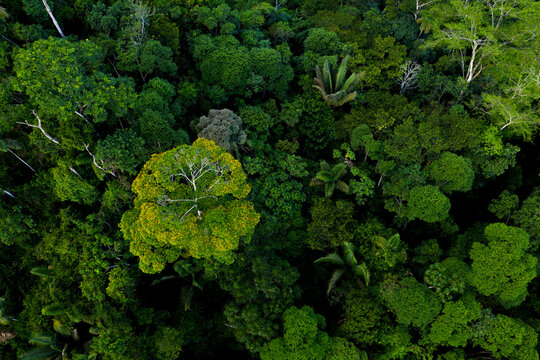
{"x":329,"y":177}
{"x":347,"y":262}
{"x":334,"y":88}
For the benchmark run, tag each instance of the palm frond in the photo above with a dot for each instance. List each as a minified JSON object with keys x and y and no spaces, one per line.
{"x":316,"y":182}
{"x":42,"y":353}
{"x":341,"y":72}
{"x":346,"y":99}
{"x":324,"y":176}
{"x":343,"y":187}
{"x":334,"y":279}
{"x":363,"y":271}
{"x":325,"y":166}
{"x":41,"y":271}
{"x":329,"y":189}
{"x":3,"y":13}
{"x":350,"y":82}
{"x":338,"y":170}
{"x":319,"y":75}
{"x":42,"y":339}
{"x":348,"y":253}
{"x":393,"y":240}
{"x":332,"y":258}
{"x":327,"y":76}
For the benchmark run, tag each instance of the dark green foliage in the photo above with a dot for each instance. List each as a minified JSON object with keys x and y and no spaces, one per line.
{"x":122,"y":151}
{"x":368,"y":199}
{"x":332,"y":224}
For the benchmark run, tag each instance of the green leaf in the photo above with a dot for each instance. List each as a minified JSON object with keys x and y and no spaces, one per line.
{"x":363,"y":271}
{"x":334,"y":279}
{"x":41,"y":271}
{"x":39,"y":354}
{"x":332,"y":258}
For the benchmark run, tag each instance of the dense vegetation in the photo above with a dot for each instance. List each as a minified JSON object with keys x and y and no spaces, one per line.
{"x":275,"y":180}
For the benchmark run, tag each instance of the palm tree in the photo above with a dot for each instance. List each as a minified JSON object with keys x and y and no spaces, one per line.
{"x":334,"y":88}
{"x":347,"y":262}
{"x":329,"y":177}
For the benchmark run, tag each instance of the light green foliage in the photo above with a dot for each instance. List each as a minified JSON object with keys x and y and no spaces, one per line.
{"x":72,"y":72}
{"x":412,"y":302}
{"x":332,"y":224}
{"x":168,"y":342}
{"x":223,"y":127}
{"x":427,"y":203}
{"x":121,"y":152}
{"x":69,"y":186}
{"x":121,"y":285}
{"x":505,"y":337}
{"x":494,"y":156}
{"x":302,"y":340}
{"x":482,"y":31}
{"x":453,"y":326}
{"x":451,"y":172}
{"x":342,"y":349}
{"x":382,"y":64}
{"x":503,"y":205}
{"x":448,"y":278}
{"x":503,"y":267}
{"x":189,"y":200}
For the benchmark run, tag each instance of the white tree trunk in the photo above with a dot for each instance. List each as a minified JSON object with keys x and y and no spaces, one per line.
{"x":53,"y":18}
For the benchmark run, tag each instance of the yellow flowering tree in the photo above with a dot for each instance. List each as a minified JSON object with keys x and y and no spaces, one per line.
{"x":189,"y":203}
